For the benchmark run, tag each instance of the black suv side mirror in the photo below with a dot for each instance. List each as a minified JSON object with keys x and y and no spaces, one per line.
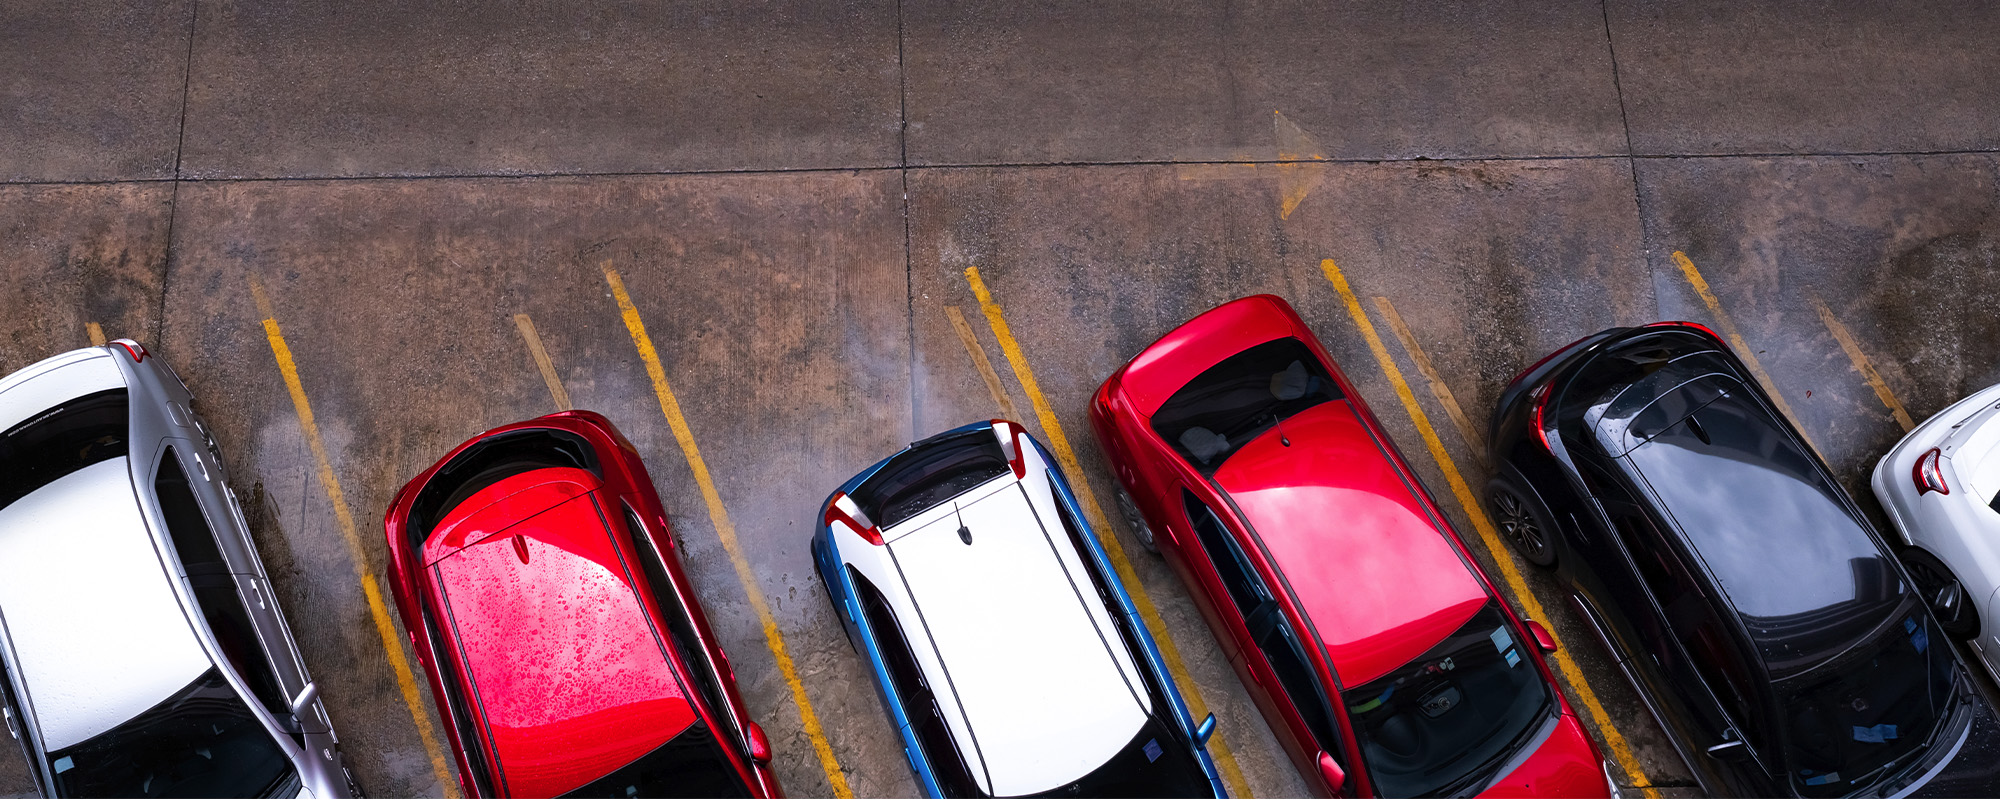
{"x":1731,"y":749}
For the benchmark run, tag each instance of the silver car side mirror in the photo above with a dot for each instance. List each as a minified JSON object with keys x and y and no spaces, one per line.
{"x":306,"y":698}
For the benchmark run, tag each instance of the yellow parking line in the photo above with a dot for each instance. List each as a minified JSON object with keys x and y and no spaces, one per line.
{"x":979,"y":359}
{"x":384,"y":626}
{"x":1743,"y":351}
{"x":542,"y":361}
{"x":95,"y":333}
{"x":1516,"y":583}
{"x":1862,"y":364}
{"x":1231,"y":773}
{"x":718,"y":515}
{"x":1466,"y":432}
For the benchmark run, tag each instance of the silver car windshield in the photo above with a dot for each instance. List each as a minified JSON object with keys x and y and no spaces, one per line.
{"x":201,"y":742}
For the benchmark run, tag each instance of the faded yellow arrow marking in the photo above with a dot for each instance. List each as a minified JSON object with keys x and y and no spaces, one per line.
{"x":1297,"y":169}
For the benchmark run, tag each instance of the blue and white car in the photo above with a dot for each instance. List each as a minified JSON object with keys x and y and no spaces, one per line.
{"x":1009,"y":657}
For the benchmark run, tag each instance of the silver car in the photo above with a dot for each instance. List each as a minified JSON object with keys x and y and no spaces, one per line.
{"x":145,"y":655}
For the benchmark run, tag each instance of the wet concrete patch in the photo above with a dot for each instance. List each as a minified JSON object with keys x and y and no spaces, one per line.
{"x":76,"y":255}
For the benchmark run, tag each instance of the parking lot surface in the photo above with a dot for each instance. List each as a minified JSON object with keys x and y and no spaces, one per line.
{"x":776,"y":242}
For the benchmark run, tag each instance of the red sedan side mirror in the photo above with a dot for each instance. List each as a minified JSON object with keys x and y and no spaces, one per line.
{"x":1543,"y":639}
{"x":760,"y":745}
{"x":1330,"y":771}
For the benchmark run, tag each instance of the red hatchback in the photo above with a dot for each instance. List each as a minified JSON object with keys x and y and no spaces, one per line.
{"x":536,"y":574}
{"x":1374,"y":644}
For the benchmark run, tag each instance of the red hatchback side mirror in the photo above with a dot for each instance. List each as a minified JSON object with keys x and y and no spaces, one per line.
{"x":1543,"y":639}
{"x":760,"y":745}
{"x":1330,"y":771}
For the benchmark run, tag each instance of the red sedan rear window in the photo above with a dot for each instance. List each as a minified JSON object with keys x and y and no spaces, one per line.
{"x":1234,"y":402}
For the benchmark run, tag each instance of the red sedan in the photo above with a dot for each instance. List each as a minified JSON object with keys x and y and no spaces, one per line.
{"x":536,"y":574}
{"x":1375,"y":646}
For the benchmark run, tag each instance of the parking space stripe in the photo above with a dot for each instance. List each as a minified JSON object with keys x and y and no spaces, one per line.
{"x":1470,"y":435}
{"x":95,"y":332}
{"x":1862,"y":364}
{"x":1516,"y":583}
{"x":1052,"y":429}
{"x":671,"y":407}
{"x":1743,"y":351}
{"x":384,"y":625}
{"x":542,"y":361}
{"x":979,"y":359}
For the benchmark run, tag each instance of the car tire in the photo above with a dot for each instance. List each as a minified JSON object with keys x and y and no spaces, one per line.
{"x":1522,"y":521}
{"x":1932,"y":576}
{"x":1140,"y":530}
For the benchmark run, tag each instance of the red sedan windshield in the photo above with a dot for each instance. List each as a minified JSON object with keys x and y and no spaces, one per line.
{"x":1442,"y":724}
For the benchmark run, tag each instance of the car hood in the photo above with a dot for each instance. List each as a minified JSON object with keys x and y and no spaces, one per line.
{"x":565,"y":665}
{"x":1565,"y":764}
{"x":1370,"y":568}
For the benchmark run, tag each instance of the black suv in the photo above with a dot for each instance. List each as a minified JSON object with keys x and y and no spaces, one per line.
{"x":1758,"y":614}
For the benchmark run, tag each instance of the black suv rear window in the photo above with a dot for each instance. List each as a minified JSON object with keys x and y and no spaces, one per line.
{"x":928,"y":473}
{"x":1234,"y":402}
{"x":62,"y":440}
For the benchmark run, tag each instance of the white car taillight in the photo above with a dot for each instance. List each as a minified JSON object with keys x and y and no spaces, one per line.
{"x":1928,"y":474}
{"x":1009,"y":435}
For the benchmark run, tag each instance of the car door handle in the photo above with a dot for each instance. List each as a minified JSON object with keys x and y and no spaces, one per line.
{"x":257,"y":587}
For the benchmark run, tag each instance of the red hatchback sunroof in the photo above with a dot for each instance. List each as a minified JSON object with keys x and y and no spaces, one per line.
{"x":565,"y":670}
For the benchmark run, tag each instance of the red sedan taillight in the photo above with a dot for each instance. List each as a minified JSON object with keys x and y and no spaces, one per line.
{"x":843,"y":510}
{"x":1929,"y":476}
{"x":1541,"y":398}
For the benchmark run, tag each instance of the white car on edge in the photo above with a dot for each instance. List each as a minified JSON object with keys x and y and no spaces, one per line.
{"x":1941,"y":487}
{"x":144,"y":653}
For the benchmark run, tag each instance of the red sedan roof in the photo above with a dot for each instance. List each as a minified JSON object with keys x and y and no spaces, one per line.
{"x":1379,"y":582}
{"x":565,"y":667}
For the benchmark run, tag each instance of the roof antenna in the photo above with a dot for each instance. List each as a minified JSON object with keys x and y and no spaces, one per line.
{"x":964,"y":533}
{"x":1280,"y":425}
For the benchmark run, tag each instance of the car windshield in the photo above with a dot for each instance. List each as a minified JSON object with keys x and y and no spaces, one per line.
{"x":1232,"y":403}
{"x":1449,"y":719}
{"x":201,"y":742}
{"x":1849,"y":721}
{"x":1156,"y":763}
{"x":690,"y":765}
{"x":62,"y":440}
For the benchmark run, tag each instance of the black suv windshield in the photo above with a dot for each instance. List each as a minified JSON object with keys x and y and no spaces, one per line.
{"x":690,"y":765}
{"x":201,"y":742}
{"x":1154,"y":764}
{"x":1232,"y":403}
{"x":1870,"y":709}
{"x":1442,"y":724}
{"x":62,"y":440}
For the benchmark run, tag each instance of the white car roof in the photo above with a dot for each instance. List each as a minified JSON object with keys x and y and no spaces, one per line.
{"x":89,"y":606}
{"x":52,"y":381}
{"x":1032,"y":663}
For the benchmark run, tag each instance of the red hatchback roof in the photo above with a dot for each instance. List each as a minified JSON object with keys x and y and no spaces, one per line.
{"x":1370,"y":569}
{"x":564,"y":665}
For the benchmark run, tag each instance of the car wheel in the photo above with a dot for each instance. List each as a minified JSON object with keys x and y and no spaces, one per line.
{"x":1942,"y":592}
{"x":1138,"y":522}
{"x":1523,"y":522}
